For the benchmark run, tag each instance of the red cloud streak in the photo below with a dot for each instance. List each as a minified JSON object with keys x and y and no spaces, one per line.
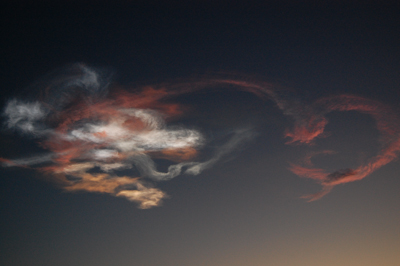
{"x":387,"y":123}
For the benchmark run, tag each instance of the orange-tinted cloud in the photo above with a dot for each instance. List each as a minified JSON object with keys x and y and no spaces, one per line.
{"x":92,"y":136}
{"x":93,"y":133}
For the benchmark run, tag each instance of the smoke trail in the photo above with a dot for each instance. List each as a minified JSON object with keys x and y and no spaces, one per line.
{"x":95,"y":136}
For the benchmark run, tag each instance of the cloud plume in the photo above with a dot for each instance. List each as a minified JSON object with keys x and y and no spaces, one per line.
{"x":92,"y":137}
{"x":104,"y":139}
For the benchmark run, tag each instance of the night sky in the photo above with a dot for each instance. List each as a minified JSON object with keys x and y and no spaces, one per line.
{"x":295,"y":105}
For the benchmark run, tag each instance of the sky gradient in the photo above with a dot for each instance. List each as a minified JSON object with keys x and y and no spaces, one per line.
{"x":280,"y":123}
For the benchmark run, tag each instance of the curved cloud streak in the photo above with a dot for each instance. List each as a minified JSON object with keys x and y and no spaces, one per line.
{"x":387,"y":122}
{"x":95,"y":136}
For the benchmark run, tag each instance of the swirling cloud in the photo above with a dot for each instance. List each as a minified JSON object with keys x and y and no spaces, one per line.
{"x":95,"y":136}
{"x":91,"y":138}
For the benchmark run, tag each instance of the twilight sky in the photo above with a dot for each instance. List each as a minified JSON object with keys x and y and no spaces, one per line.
{"x":200,"y":133}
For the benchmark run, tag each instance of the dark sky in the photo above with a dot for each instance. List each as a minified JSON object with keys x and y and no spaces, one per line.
{"x":247,"y":209}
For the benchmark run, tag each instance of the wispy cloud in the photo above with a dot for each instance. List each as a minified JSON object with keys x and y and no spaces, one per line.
{"x":95,"y":135}
{"x":92,"y":136}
